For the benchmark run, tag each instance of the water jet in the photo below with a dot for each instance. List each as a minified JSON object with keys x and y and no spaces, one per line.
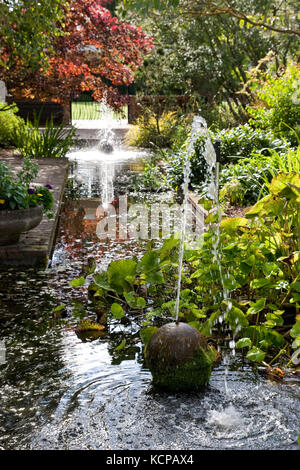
{"x":177,"y":353}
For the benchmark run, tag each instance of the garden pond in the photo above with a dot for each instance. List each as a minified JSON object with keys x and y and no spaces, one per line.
{"x":60,"y":390}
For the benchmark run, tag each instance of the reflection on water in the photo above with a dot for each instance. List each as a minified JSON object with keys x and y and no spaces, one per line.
{"x":59,"y":392}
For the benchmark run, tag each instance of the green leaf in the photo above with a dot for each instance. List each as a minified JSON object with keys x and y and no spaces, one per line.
{"x":134,"y":301}
{"x":286,"y":185}
{"x":231,"y":224}
{"x":295,"y":331}
{"x":100,"y":280}
{"x":255,"y":354}
{"x":78,"y":282}
{"x":121,"y":345}
{"x":236,"y":319}
{"x":59,"y":308}
{"x":243,"y":343}
{"x":146,"y":334}
{"x":117,"y":273}
{"x":259,"y":283}
{"x":257,"y":306}
{"x":117,"y":311}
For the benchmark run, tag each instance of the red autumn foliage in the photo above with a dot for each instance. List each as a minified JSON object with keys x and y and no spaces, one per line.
{"x":97,"y":53}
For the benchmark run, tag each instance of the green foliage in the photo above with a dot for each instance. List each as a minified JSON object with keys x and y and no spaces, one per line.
{"x":199,"y":166}
{"x":279,"y":108}
{"x":245,"y":181}
{"x":153,"y":130}
{"x":9,"y":122}
{"x":15,"y":192}
{"x":249,"y":284}
{"x":52,"y":141}
{"x":152,"y":179}
{"x":244,"y":141}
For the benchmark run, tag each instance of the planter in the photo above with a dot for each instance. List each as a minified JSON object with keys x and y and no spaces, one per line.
{"x":13,"y":223}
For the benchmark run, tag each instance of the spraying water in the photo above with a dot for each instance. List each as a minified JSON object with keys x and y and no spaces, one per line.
{"x":199,"y":128}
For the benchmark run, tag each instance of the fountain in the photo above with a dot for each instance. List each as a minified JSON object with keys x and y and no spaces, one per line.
{"x":106,"y":135}
{"x":177,"y":354}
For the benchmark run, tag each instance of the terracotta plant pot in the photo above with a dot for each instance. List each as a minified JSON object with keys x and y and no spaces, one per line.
{"x":13,"y":223}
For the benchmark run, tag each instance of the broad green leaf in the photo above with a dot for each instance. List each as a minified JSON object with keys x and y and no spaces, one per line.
{"x":295,"y":331}
{"x":231,"y":224}
{"x":117,"y":311}
{"x":117,"y":273}
{"x":243,"y":343}
{"x":255,"y":354}
{"x":259,"y":283}
{"x":256,"y":307}
{"x":59,"y":308}
{"x":257,"y":209}
{"x":286,"y":185}
{"x":134,"y":301}
{"x":100,"y":280}
{"x":236,"y":319}
{"x":77,"y":282}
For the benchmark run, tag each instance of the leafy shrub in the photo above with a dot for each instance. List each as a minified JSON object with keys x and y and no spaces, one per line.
{"x":233,"y":192}
{"x":279,"y":105}
{"x":9,"y":122}
{"x":242,"y":141}
{"x":150,"y":131}
{"x":52,"y":142}
{"x":152,"y":179}
{"x":253,"y":174}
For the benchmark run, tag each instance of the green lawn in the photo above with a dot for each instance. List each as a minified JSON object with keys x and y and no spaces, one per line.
{"x":91,"y":110}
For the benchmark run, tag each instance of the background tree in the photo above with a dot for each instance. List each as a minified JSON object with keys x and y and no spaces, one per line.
{"x":207,"y":55}
{"x":93,"y":52}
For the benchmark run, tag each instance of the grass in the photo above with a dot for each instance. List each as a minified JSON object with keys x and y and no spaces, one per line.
{"x":91,"y":111}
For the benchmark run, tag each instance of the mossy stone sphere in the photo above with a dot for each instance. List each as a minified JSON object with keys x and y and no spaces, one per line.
{"x":179,"y":358}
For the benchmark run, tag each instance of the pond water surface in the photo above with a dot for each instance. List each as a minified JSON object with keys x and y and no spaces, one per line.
{"x":62,"y":392}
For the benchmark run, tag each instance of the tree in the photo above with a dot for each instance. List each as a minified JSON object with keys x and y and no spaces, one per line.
{"x":276,"y":15}
{"x":208,"y":54}
{"x":95,"y":52}
{"x":27,"y":30}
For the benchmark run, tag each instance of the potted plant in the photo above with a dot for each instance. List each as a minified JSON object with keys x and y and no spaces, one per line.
{"x":22,"y":203}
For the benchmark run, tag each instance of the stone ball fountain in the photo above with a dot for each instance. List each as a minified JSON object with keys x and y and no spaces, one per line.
{"x":179,"y":358}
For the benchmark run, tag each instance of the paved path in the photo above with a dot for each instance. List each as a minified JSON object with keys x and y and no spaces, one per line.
{"x":35,"y":247}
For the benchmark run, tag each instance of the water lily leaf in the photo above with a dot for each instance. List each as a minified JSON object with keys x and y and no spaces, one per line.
{"x":117,"y":311}
{"x":255,"y":354}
